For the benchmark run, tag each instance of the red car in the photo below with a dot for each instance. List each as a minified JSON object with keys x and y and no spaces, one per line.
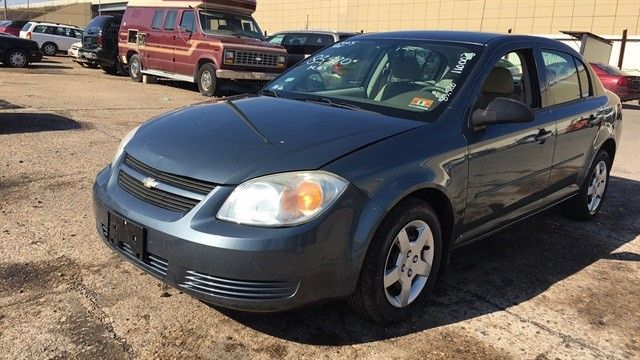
{"x":12,"y":26}
{"x":625,"y":85}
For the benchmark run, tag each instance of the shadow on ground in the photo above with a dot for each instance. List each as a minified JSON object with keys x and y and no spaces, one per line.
{"x":630,"y":106}
{"x":485,"y":277}
{"x":17,"y":123}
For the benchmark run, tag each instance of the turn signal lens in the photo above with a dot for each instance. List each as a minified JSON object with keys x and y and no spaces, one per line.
{"x":282,"y":199}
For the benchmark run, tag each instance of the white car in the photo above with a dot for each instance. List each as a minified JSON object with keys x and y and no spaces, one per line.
{"x":52,"y":37}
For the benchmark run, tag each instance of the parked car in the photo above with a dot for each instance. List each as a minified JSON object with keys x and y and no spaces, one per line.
{"x":623,"y":84}
{"x":206,"y":42}
{"x":16,"y":52}
{"x":301,"y":44}
{"x":74,"y":54}
{"x":100,"y":43}
{"x":52,"y":38}
{"x":12,"y":26}
{"x":355,"y":173}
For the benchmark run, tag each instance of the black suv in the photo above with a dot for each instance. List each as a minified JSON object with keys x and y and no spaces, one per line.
{"x":300,"y":44}
{"x":100,"y":43}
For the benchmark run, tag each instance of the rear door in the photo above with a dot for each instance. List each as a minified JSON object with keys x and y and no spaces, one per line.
{"x":155,"y":44}
{"x":168,"y":39}
{"x":568,"y":96}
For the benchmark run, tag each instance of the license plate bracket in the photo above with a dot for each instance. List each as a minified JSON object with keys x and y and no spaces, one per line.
{"x":124,"y":232}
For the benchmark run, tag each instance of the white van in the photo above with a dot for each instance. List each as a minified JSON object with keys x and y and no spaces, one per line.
{"x":52,"y":37}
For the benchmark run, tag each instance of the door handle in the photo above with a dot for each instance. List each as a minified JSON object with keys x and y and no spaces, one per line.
{"x":542,"y":136}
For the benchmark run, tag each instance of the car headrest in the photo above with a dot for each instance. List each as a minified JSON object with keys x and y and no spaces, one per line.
{"x":406,"y":68}
{"x":500,"y":81}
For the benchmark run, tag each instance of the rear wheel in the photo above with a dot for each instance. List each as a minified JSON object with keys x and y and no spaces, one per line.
{"x":17,"y":59}
{"x":208,"y":83}
{"x":50,"y":49}
{"x":588,"y":201}
{"x":401,"y":265}
{"x":135,"y":68}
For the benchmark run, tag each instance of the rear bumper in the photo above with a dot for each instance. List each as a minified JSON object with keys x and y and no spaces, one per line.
{"x":235,"y":266}
{"x":245,"y":75}
{"x":98,"y":56}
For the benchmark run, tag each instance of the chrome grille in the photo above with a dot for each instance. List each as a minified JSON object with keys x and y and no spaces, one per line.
{"x":238,"y":289}
{"x":183,"y":182}
{"x":254,"y":58}
{"x":156,"y":197}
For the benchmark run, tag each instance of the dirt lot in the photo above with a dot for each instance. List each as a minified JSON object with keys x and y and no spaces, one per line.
{"x":547,"y":288}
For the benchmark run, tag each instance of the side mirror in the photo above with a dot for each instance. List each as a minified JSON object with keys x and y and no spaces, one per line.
{"x":184,"y":30}
{"x":501,"y":111}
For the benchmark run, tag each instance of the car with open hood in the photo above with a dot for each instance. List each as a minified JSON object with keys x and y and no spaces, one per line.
{"x":354,"y":174}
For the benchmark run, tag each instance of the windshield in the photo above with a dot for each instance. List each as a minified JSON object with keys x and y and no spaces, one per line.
{"x":220,"y":23}
{"x":395,"y":77}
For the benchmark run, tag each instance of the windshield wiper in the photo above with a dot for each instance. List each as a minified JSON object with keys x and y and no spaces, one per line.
{"x":268,"y":92}
{"x":333,"y":103}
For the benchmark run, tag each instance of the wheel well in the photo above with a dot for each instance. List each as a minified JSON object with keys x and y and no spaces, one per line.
{"x":49,"y":42}
{"x":610,"y":147}
{"x":130,"y":53}
{"x":440,"y":203}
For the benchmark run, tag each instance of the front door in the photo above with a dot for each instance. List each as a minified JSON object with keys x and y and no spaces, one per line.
{"x":168,"y":39}
{"x":184,"y":45}
{"x":509,"y":164}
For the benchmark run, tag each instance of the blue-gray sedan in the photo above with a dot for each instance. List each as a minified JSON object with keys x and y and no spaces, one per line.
{"x":356,"y":172}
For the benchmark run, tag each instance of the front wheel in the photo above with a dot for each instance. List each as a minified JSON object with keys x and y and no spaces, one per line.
{"x":588,"y":201}
{"x":17,"y":59}
{"x":208,"y":83}
{"x":50,"y":49}
{"x":135,"y":68}
{"x":401,"y":265}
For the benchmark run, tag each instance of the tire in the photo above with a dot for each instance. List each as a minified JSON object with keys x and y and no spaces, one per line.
{"x":385,"y":304}
{"x":584,"y":206}
{"x":111,"y":70}
{"x":120,"y":68}
{"x":16,"y":58}
{"x":49,"y":49}
{"x":208,"y":83}
{"x":135,"y":68}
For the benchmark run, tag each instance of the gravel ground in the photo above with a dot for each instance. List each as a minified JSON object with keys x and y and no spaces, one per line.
{"x":547,"y":288}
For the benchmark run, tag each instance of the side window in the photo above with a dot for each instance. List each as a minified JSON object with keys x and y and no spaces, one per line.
{"x":276,"y":39}
{"x":585,"y":82}
{"x":39,"y":29}
{"x":157,"y":19}
{"x":170,"y":20}
{"x":511,"y":77}
{"x":188,"y":21}
{"x":562,"y":83}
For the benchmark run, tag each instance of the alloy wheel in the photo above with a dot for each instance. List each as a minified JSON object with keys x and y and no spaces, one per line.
{"x":18,"y":59}
{"x":49,"y":49}
{"x":597,"y":186}
{"x":408,"y":263}
{"x":206,"y":80}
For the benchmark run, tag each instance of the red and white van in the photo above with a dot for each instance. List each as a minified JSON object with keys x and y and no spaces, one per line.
{"x":206,"y":42}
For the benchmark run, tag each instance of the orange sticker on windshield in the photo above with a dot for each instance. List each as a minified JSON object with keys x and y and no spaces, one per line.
{"x":421,"y":103}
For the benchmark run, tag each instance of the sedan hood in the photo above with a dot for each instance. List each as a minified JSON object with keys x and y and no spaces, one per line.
{"x":230,"y":141}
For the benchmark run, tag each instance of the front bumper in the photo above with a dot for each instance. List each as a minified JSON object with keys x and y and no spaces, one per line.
{"x":245,"y":75}
{"x":236,"y":266}
{"x":35,"y":55}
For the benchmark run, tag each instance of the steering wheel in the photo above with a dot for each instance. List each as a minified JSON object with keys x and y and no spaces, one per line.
{"x":312,"y":82}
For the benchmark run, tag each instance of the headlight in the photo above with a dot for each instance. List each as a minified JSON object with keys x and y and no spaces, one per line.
{"x":229,"y":56}
{"x":125,"y":140}
{"x":282,"y":199}
{"x":282,"y":60}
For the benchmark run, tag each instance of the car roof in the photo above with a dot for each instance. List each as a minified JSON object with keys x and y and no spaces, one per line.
{"x":473,"y":37}
{"x":54,"y":24}
{"x":334,"y":32}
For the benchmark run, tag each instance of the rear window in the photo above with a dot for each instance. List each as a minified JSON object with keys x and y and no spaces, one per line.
{"x":98,"y":22}
{"x":157,"y":19}
{"x":610,"y":69}
{"x":26,"y":27}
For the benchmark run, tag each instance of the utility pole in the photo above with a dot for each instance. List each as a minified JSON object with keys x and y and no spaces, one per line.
{"x":306,"y":26}
{"x":5,"y":9}
{"x":623,"y":45}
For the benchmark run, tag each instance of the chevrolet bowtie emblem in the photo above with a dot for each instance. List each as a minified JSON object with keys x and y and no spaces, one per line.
{"x":149,"y":183}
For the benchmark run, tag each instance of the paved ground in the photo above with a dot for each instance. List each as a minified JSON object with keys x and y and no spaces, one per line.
{"x":548,"y":288}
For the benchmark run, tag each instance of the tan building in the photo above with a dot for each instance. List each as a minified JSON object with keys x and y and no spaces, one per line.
{"x":603,"y":17}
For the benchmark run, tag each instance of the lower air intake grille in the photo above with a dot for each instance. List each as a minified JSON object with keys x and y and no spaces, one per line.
{"x":152,"y":262}
{"x":238,"y":289}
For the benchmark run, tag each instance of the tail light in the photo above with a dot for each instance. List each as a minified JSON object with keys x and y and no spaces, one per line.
{"x":29,"y":35}
{"x":623,"y":81}
{"x":99,"y":40}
